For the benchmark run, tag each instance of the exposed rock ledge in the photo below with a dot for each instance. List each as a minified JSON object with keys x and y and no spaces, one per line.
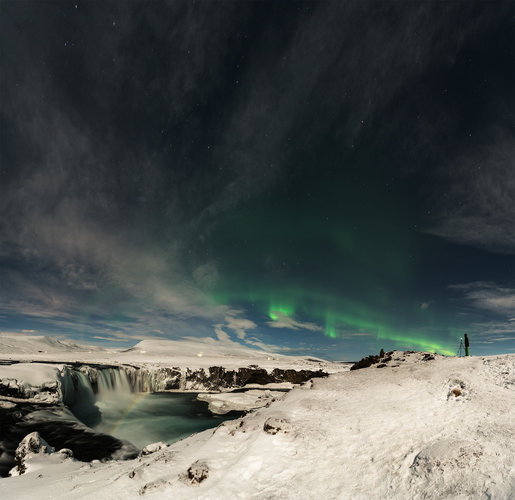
{"x":61,"y":383}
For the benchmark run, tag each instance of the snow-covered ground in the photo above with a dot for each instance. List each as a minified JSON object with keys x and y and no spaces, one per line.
{"x":440,"y":428}
{"x":36,"y":346}
{"x":225,"y":402}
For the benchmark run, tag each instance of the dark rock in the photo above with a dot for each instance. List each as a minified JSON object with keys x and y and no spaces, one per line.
{"x":172,"y":377}
{"x":380,"y":365}
{"x":66,"y":452}
{"x":13,"y":390}
{"x":365,"y":362}
{"x":259,"y":376}
{"x":428,"y":357}
{"x":220,"y":378}
{"x":197,"y":472}
{"x":296,"y":376}
{"x":372,"y":360}
{"x":275,"y":425}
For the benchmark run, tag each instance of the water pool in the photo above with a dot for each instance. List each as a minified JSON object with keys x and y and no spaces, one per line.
{"x":144,"y":418}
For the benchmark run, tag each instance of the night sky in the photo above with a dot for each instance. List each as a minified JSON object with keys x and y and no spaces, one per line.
{"x":323,"y":178}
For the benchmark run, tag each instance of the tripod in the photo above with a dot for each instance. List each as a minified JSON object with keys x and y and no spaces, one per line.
{"x":461,"y":348}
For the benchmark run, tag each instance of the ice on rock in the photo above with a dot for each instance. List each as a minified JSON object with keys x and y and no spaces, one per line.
{"x":30,"y":445}
{"x":7,"y":405}
{"x":225,"y":402}
{"x":153,"y":447}
{"x":30,"y":381}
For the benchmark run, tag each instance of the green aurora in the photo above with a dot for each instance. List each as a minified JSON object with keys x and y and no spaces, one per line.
{"x":319,"y":253}
{"x":342,"y":322}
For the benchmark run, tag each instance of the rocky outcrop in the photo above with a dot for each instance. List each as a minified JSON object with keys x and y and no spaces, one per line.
{"x":58,"y":426}
{"x":397,"y":356}
{"x":373,"y":360}
{"x":12,"y":389}
{"x":78,"y":384}
{"x":218,"y":378}
{"x":31,"y":445}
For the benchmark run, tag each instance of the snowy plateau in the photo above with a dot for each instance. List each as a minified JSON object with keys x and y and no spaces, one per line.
{"x":410,"y":426}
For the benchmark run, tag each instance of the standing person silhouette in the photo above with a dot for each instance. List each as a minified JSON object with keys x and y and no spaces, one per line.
{"x":466,"y":345}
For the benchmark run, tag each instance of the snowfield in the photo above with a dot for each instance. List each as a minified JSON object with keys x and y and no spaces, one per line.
{"x":193,"y":353}
{"x":413,"y":429}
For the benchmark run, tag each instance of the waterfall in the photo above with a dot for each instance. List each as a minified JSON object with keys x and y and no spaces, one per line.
{"x":94,"y":393}
{"x":87,"y":391}
{"x":112,"y":380}
{"x":84,"y":406}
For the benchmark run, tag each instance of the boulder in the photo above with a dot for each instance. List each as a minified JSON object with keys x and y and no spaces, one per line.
{"x":197,"y":472}
{"x":32,"y":443}
{"x":152,"y":448}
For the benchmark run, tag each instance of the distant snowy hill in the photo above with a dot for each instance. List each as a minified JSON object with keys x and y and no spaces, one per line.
{"x":193,"y":353}
{"x":197,"y":347}
{"x":32,"y":344}
{"x":419,"y":427}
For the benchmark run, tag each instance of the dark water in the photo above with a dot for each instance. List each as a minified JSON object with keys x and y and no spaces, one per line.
{"x":139,"y":418}
{"x":60,"y":428}
{"x":144,"y":418}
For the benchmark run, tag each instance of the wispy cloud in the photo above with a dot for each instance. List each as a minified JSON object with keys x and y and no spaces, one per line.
{"x":240,"y":326}
{"x":491,"y":332}
{"x":358,"y":334}
{"x":476,"y":205}
{"x":225,"y":338}
{"x":109,"y":339}
{"x":488,"y":296}
{"x":291,"y":323}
